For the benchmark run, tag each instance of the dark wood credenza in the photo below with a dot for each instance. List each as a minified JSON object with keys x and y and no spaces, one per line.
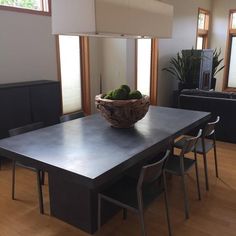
{"x":28,"y":102}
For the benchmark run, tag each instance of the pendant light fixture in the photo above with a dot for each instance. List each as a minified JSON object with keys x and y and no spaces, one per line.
{"x":112,"y":18}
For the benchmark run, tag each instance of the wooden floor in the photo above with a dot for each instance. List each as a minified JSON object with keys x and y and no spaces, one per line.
{"x":215,"y":215}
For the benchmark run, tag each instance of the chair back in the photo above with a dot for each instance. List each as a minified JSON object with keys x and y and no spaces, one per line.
{"x":190,"y":143}
{"x":71,"y":116}
{"x":210,"y":128}
{"x":150,"y":173}
{"x":25,"y":129}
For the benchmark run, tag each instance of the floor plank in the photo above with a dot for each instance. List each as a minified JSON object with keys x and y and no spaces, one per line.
{"x":215,"y":215}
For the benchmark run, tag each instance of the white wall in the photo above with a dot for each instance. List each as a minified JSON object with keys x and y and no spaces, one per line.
{"x":184,"y":37}
{"x":220,"y":14}
{"x":95,"y":68}
{"x":27,"y":48}
{"x":117,"y":59}
{"x":112,"y":60}
{"x":130,"y":63}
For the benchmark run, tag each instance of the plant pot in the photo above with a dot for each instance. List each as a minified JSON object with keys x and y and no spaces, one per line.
{"x":213,"y":83}
{"x":182,"y":86}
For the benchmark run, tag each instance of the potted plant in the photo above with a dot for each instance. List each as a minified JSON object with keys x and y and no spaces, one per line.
{"x":216,"y":68}
{"x":184,"y":68}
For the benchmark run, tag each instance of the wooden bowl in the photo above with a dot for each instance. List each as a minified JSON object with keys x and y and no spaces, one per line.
{"x":122,"y":113}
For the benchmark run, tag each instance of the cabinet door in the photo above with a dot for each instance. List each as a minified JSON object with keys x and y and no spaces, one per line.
{"x":14,"y":108}
{"x":46,"y":103}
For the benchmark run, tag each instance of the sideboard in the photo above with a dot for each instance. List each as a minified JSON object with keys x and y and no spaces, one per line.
{"x":28,"y":102}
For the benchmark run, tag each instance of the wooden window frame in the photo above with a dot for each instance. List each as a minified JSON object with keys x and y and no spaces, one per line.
{"x":231,"y":34}
{"x":85,"y":72}
{"x":29,"y":11}
{"x":204,"y":33}
{"x":153,"y":70}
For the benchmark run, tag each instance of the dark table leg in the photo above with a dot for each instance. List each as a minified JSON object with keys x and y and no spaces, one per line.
{"x":75,"y":204}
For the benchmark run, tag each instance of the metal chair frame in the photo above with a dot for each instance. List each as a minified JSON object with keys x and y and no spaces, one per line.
{"x":149,"y":174}
{"x":209,"y":131}
{"x":189,"y":146}
{"x":39,"y":173}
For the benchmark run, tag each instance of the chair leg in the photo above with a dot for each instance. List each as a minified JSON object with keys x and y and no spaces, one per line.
{"x":40,"y":192}
{"x":206,"y":171}
{"x":140,"y":212}
{"x":197,"y":177}
{"x":141,"y":218}
{"x":13,"y":179}
{"x":99,"y":212}
{"x":216,"y":163}
{"x":167,"y":204}
{"x":186,"y":204}
{"x":124,"y":213}
{"x":172,"y":149}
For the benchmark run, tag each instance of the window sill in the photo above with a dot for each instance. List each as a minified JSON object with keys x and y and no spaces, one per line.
{"x":230,"y":90}
{"x":23,"y":10}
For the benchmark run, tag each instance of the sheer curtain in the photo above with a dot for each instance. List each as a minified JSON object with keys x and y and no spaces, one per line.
{"x":69,"y":47}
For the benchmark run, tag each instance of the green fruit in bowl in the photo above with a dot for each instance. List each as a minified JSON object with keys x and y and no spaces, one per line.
{"x":108,"y":95}
{"x":122,"y":93}
{"x":125,"y":87}
{"x":119,"y":94}
{"x":135,"y":95}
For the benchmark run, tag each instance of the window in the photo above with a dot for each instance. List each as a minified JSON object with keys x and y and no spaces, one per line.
{"x":69,"y":47}
{"x":144,"y":65}
{"x":146,"y":72}
{"x":202,"y":29}
{"x":74,"y":73}
{"x":28,"y":6}
{"x":233,"y":25}
{"x":230,"y":69}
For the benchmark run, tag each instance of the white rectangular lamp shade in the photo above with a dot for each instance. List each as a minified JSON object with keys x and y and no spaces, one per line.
{"x":131,"y":18}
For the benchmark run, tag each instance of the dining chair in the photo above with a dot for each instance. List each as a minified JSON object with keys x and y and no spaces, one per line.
{"x":39,"y":173}
{"x":180,"y":165}
{"x":206,"y":143}
{"x":71,"y":116}
{"x":134,"y":195}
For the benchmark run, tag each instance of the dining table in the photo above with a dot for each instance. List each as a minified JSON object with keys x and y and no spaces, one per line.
{"x":84,"y":156}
